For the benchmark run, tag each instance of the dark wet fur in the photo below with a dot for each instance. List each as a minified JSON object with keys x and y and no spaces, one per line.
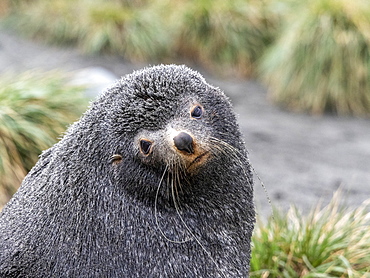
{"x":78,"y":214}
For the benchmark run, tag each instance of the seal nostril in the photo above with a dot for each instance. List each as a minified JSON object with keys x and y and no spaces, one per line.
{"x":184,"y":142}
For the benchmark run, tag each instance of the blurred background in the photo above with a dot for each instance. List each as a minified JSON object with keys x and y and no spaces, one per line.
{"x":298,"y":73}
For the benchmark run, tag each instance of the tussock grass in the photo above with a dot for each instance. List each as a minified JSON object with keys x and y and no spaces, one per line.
{"x":131,"y":29}
{"x":221,"y":35}
{"x":35,"y":108}
{"x":134,"y":32}
{"x":330,"y":242}
{"x":227,"y":35}
{"x":321,"y":62}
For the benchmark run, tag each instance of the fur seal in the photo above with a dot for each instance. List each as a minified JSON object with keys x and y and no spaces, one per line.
{"x":152,"y":181}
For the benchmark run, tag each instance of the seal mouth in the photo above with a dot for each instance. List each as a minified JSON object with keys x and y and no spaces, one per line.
{"x":199,"y":159}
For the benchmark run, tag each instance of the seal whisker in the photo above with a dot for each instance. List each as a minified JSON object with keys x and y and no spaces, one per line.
{"x":234,"y":152}
{"x":266,"y":193}
{"x":231,"y":151}
{"x":177,"y":177}
{"x":174,"y":187}
{"x":168,"y":182}
{"x":227,"y":149}
{"x":174,"y":190}
{"x":174,"y":182}
{"x":199,"y":243}
{"x":171,"y":188}
{"x":156,"y":210}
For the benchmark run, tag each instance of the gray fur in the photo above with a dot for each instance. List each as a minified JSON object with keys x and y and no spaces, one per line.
{"x":78,"y":214}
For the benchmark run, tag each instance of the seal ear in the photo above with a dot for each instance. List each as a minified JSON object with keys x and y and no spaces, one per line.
{"x":116,"y":159}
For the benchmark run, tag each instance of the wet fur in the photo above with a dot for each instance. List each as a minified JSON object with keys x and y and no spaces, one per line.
{"x":94,"y":206}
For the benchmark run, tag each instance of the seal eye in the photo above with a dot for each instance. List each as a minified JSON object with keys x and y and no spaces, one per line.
{"x":197,"y":112}
{"x":145,"y":146}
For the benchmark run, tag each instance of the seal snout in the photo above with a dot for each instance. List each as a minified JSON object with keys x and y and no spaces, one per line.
{"x":184,"y":142}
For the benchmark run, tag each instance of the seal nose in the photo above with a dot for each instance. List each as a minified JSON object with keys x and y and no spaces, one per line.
{"x":184,"y":142}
